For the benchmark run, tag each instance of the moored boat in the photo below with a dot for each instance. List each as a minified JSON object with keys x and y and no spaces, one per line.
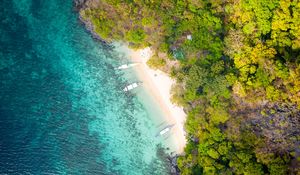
{"x":126,"y":66}
{"x":131,"y":87}
{"x":165,"y":130}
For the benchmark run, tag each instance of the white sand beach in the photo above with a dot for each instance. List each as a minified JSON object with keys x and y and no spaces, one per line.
{"x":159,"y":85}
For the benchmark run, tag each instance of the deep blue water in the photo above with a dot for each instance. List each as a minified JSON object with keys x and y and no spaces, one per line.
{"x":62,"y":108}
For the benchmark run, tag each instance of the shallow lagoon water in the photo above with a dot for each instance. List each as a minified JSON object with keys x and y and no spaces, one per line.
{"x":62,"y":108}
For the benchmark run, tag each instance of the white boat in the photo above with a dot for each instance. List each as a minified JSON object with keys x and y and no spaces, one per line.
{"x":131,"y":86}
{"x":162,"y":132}
{"x":126,"y":66}
{"x":165,"y":130}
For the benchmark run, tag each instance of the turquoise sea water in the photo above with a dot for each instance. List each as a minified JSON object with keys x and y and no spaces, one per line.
{"x":62,"y":108}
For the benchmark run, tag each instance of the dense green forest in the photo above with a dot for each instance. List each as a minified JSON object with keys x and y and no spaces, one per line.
{"x":238,"y":77}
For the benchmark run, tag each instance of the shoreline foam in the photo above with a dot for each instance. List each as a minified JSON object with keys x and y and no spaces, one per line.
{"x":159,"y":84}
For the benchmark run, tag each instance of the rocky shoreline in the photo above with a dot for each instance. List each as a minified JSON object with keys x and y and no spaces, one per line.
{"x":79,"y":5}
{"x":174,"y":170}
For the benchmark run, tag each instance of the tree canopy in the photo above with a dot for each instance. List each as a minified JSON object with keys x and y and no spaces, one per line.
{"x":238,"y":79}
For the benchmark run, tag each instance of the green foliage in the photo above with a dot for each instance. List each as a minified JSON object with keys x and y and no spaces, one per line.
{"x":278,"y":166}
{"x":135,"y":36}
{"x":156,"y":63}
{"x":242,"y":55}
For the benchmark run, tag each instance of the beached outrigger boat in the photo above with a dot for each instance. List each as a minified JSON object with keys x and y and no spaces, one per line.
{"x":165,"y":130}
{"x":131,"y":86}
{"x":126,"y":66}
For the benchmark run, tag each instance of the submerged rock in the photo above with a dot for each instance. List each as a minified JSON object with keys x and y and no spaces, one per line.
{"x":173,"y":163}
{"x":78,"y":4}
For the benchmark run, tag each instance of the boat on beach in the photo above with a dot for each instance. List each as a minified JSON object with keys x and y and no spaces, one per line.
{"x":131,"y":86}
{"x":126,"y":66}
